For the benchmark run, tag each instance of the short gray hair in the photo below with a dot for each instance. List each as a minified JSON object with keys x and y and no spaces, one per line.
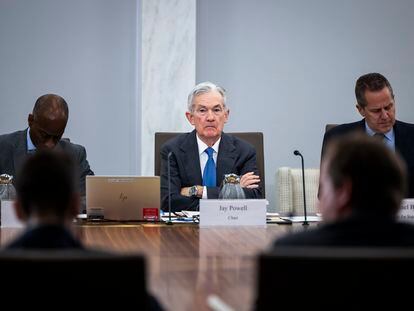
{"x":204,"y":87}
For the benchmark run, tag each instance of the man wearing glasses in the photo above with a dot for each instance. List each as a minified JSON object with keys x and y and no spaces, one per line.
{"x":200,"y":159}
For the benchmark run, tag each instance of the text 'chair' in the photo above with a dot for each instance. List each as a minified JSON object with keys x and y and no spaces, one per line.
{"x":254,"y":138}
{"x":329,"y":278}
{"x":289,"y":190}
{"x":72,"y":277}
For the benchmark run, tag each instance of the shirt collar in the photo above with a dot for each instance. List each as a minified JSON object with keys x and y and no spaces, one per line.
{"x":30,"y":145}
{"x":202,"y":146}
{"x":388,"y":135}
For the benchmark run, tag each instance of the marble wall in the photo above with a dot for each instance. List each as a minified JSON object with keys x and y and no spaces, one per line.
{"x":168,"y":70}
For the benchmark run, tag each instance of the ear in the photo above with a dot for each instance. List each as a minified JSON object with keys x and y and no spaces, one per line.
{"x":20,"y":212}
{"x":361,"y":110}
{"x":190,"y":117}
{"x":30,"y":119}
{"x":226,"y":116}
{"x":343,"y":197}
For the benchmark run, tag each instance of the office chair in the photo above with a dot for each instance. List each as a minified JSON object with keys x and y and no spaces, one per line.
{"x":289,"y":191}
{"x":254,"y":138}
{"x":72,"y":277}
{"x":329,"y":126}
{"x":329,"y":278}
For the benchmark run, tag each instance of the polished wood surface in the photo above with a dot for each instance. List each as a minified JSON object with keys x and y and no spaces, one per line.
{"x":187,"y":264}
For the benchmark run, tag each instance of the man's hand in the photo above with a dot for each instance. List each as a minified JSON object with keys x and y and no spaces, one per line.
{"x":249,"y":180}
{"x":185,"y":191}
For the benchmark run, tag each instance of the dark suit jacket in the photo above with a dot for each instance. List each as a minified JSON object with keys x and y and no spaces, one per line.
{"x":354,"y":231}
{"x":45,"y":236}
{"x":13,"y":151}
{"x":404,"y":143}
{"x":234,"y":156}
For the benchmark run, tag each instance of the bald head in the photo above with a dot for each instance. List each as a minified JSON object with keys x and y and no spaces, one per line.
{"x":48,"y":121}
{"x":51,"y":105}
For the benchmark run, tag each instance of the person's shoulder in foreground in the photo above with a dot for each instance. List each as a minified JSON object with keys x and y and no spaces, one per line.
{"x":362,"y":185}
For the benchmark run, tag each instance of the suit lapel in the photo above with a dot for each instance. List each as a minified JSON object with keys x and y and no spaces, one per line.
{"x":401,"y":140}
{"x":189,"y":149}
{"x":226,"y":157}
{"x":20,"y":151}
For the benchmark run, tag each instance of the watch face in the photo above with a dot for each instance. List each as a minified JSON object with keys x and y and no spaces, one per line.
{"x":193,"y":191}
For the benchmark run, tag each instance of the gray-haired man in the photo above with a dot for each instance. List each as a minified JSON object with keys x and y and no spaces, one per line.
{"x":200,"y":159}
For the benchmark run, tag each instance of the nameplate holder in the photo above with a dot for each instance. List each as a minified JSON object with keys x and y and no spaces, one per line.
{"x":233,"y":212}
{"x":406,"y":212}
{"x":8,"y":215}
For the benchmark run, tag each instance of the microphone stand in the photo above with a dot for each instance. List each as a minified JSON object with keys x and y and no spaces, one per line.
{"x":297,"y":153}
{"x":169,"y":222}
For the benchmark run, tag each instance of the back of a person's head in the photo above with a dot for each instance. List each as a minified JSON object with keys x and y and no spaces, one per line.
{"x":46,"y":183}
{"x":376,"y":173}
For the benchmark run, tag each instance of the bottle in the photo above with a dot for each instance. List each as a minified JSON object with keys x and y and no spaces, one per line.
{"x":231,"y":188}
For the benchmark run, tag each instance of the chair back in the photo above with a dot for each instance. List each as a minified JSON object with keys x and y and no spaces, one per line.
{"x":329,"y":126}
{"x":254,"y":138}
{"x":289,"y":191}
{"x":73,"y":277}
{"x":330,"y":278}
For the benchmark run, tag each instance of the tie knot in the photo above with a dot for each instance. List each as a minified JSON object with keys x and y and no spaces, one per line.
{"x":209,"y":152}
{"x":379,"y":136}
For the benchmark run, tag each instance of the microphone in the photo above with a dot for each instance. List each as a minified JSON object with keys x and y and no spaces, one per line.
{"x":297,"y":153}
{"x":169,"y":222}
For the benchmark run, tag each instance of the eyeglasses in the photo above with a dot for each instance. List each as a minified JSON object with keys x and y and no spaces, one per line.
{"x":217,"y":111}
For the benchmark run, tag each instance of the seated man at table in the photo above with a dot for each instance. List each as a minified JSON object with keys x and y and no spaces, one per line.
{"x":376,"y":104}
{"x":362,"y":185}
{"x":47,"y":124}
{"x":200,"y":159}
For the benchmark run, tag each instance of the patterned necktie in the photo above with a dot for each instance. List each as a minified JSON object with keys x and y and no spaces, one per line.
{"x":209,"y":174}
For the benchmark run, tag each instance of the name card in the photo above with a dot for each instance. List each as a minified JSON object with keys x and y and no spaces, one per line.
{"x":233,"y":212}
{"x":8,"y":216}
{"x":406,"y":213}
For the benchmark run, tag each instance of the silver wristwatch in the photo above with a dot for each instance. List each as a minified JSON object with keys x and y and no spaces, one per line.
{"x":193,"y":191}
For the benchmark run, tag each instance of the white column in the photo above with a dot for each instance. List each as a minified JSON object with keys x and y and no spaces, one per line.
{"x":168,"y":70}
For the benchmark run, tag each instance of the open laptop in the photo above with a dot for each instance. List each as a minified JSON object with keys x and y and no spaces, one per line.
{"x":123,"y":198}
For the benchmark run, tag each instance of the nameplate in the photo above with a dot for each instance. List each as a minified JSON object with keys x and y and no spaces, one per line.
{"x":406,"y":212}
{"x":233,"y":212}
{"x":8,"y":215}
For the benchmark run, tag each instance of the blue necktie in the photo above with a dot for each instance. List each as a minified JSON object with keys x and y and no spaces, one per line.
{"x":209,"y":174}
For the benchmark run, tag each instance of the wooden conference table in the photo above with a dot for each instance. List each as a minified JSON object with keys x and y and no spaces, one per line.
{"x":187,"y":264}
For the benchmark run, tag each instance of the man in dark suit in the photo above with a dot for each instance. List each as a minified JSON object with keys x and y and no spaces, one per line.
{"x":47,"y":124}
{"x":362,"y":185}
{"x":200,"y":159}
{"x":375,"y":102}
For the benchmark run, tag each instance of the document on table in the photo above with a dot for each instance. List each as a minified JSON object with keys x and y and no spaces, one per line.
{"x":313,"y":218}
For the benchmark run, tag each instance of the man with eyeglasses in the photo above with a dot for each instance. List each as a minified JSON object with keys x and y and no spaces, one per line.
{"x":376,"y":104}
{"x":200,"y":159}
{"x":47,"y":124}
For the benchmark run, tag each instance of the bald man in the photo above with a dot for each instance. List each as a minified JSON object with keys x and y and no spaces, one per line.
{"x":47,"y":124}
